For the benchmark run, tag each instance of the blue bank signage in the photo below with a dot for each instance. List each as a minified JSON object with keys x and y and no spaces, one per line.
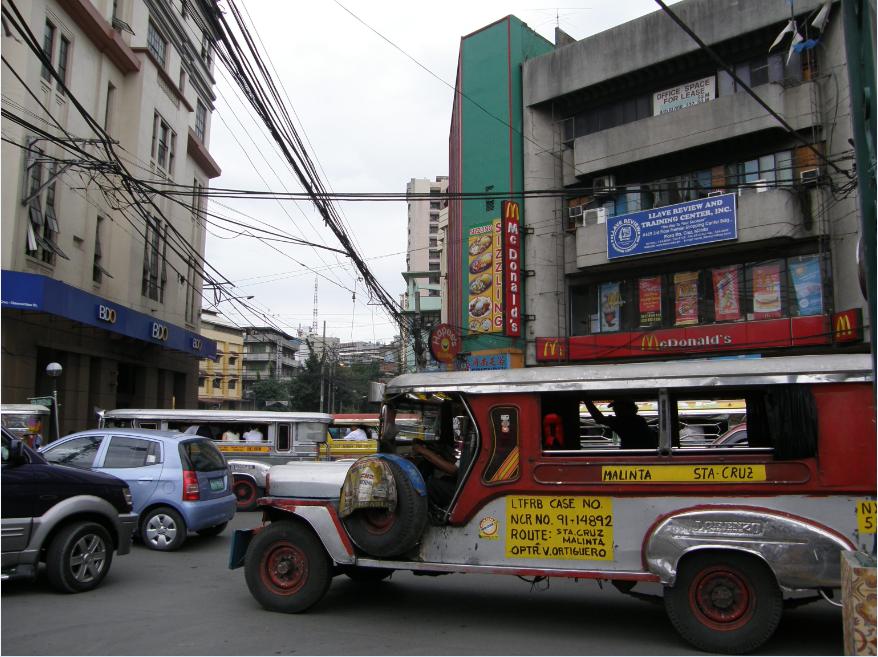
{"x":25,"y":291}
{"x":675,"y":226}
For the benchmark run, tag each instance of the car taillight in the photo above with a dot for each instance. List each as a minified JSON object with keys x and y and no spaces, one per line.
{"x":190,"y":486}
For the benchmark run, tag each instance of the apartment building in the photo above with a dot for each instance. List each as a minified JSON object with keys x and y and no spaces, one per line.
{"x":221,"y":379}
{"x":97,"y":274}
{"x":425,"y":202}
{"x":269,"y":353}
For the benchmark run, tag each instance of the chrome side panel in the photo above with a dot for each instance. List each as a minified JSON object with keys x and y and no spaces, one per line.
{"x":254,"y":470}
{"x":327,"y":531}
{"x":309,"y":479}
{"x":802,"y":554}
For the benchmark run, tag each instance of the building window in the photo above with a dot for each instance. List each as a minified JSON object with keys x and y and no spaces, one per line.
{"x":191,"y":291}
{"x":110,"y":107}
{"x":433,"y":266}
{"x":48,"y":48}
{"x":98,"y":271}
{"x":433,"y":241}
{"x":233,"y":360}
{"x":156,"y":44}
{"x":153,"y":265}
{"x":233,"y":384}
{"x":200,"y":120}
{"x":163,"y":141}
{"x":434,"y":230}
{"x":762,"y":289}
{"x":50,"y":228}
{"x":63,"y":55}
{"x":434,"y":255}
{"x":206,"y":49}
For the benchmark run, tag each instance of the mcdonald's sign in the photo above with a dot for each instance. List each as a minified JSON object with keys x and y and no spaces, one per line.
{"x":649,"y":342}
{"x":551,"y":349}
{"x":847,"y":326}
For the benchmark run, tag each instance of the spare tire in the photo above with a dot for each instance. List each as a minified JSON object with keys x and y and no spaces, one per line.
{"x":386,"y":533}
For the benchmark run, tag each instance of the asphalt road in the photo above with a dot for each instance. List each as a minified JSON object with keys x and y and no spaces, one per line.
{"x":188,"y":603}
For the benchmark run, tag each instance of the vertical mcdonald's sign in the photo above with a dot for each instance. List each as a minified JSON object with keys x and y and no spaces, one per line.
{"x":512,"y":271}
{"x":847,"y":326}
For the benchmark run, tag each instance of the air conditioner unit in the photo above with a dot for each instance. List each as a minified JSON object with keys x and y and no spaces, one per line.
{"x":594,"y":216}
{"x":809,"y":177}
{"x":760,"y":185}
{"x":718,"y":192}
{"x":603,"y":185}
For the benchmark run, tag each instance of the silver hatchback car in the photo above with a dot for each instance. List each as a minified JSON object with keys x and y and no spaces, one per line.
{"x":179,"y":482}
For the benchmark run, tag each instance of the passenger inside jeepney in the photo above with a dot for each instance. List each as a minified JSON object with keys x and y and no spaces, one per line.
{"x":439,"y":467}
{"x":632,"y":429}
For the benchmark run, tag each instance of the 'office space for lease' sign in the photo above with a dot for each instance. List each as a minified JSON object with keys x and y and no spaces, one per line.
{"x":683,"y":95}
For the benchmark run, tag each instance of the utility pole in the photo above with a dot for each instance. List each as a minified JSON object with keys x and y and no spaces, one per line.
{"x":322,"y":358}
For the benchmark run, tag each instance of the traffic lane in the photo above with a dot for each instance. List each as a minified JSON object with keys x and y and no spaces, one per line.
{"x":188,"y":603}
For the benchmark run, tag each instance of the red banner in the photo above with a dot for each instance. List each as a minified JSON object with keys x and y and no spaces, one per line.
{"x":766,"y":291}
{"x":512,"y":269}
{"x":686,"y":298}
{"x":650,"y":300}
{"x":751,"y":337}
{"x":727,"y":294}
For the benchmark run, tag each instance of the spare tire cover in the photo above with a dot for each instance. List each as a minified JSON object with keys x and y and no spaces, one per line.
{"x":388,"y":532}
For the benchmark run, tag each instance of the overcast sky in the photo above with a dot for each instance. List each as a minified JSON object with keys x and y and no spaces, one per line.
{"x":373,"y":119}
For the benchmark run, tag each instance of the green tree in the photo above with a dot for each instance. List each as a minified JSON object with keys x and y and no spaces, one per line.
{"x":270,"y":390}
{"x":305,"y":386}
{"x":352,"y":387}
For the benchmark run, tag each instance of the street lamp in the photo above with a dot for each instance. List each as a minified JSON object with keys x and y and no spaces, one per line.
{"x":54,"y":371}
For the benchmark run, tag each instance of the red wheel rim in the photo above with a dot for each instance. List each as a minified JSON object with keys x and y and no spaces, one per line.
{"x":283,"y":568}
{"x":722,"y":598}
{"x":245,"y":491}
{"x":379,"y":521}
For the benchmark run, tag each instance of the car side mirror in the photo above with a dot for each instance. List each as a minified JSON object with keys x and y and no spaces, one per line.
{"x":17,"y":455}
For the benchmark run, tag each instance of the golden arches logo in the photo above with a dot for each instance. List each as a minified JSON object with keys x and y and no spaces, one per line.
{"x":649,"y":342}
{"x":843,"y":326}
{"x":552,"y":346}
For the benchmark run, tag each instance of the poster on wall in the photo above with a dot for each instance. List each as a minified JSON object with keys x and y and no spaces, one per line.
{"x":727,"y":293}
{"x":686,"y":298}
{"x":766,"y":291}
{"x":610,"y":305}
{"x":808,"y":285}
{"x":485,"y":278}
{"x":650,"y":288}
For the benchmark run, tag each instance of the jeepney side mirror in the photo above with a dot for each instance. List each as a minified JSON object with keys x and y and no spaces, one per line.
{"x":376,"y":392}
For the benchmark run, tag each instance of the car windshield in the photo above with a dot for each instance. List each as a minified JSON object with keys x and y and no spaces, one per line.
{"x":201,"y":456}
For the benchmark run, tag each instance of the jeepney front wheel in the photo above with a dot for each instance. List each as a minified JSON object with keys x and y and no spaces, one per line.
{"x":287,"y":568}
{"x":724,"y":602}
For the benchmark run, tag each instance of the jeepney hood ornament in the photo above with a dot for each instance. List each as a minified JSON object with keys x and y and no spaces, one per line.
{"x":308,"y":480}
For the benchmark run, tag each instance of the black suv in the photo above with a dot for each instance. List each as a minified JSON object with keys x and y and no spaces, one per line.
{"x":70,"y":519}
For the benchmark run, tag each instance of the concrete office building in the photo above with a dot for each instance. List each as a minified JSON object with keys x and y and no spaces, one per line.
{"x":694,"y":222}
{"x":105,"y":282}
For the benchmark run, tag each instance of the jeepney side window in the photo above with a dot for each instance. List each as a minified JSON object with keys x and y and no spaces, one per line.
{"x":310,"y":432}
{"x":568,"y":424}
{"x":778,"y":419}
{"x":148,"y":425}
{"x":710,"y":420}
{"x":283,"y":438}
{"x":112,"y":423}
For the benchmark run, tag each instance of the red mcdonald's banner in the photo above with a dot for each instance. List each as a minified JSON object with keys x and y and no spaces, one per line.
{"x":737,"y":336}
{"x":847,"y":325}
{"x":512,"y":269}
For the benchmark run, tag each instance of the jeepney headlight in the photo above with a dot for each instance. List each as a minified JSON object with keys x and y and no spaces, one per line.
{"x":126,"y":494}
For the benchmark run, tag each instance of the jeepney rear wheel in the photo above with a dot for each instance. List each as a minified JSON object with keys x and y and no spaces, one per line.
{"x":724,"y":602}
{"x":246,"y":492}
{"x":287,"y":568}
{"x":385,"y":533}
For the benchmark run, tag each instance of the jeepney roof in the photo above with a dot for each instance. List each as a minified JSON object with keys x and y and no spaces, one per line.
{"x":196,"y":415}
{"x":24,"y":409}
{"x":664,"y":374}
